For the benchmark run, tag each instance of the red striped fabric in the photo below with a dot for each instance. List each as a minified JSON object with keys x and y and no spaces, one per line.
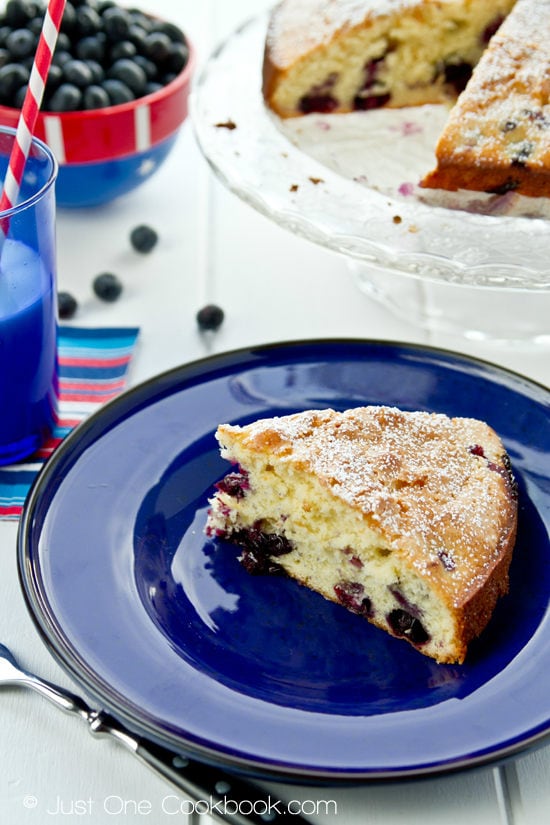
{"x":86,"y":381}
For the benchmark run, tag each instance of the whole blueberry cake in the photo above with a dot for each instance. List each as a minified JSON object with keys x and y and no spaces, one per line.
{"x":345,"y":55}
{"x":497,"y":137}
{"x":405,"y":518}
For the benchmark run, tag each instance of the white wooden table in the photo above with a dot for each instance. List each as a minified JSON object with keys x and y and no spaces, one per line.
{"x":215,"y":248}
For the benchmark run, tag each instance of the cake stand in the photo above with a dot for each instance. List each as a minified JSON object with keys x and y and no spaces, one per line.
{"x":466,"y":263}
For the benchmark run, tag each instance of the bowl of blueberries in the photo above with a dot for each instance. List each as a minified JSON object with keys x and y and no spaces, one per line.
{"x":116,"y":95}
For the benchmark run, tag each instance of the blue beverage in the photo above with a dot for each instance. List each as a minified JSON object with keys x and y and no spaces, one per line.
{"x":28,"y":367}
{"x":28,"y":306}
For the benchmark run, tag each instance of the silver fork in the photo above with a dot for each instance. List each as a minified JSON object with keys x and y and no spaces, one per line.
{"x":233,"y":799}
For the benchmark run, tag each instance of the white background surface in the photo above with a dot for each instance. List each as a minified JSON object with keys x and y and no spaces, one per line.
{"x":273,"y":286}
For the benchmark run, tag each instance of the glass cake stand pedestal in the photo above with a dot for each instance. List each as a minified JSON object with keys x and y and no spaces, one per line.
{"x":477,"y":313}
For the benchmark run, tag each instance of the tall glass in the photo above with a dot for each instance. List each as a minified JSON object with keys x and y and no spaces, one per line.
{"x":28,"y":305}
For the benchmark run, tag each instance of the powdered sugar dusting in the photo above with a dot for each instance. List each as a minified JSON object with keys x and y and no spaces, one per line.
{"x":413,"y":476}
{"x":300,"y":25}
{"x":502,"y":120}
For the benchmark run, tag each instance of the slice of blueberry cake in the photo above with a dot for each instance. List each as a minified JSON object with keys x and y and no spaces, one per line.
{"x":497,"y":137}
{"x":345,"y":55}
{"x":405,"y":518}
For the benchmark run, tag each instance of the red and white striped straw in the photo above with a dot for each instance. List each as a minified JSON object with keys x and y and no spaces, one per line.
{"x":31,"y":104}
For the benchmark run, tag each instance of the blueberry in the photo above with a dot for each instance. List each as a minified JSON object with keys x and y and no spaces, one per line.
{"x":366,"y":103}
{"x":210,"y":317}
{"x":21,"y":43}
{"x":147,"y":65}
{"x":130,"y":74}
{"x":12,"y":76}
{"x":63,"y":43}
{"x":509,"y":184}
{"x":5,"y":31}
{"x":275,"y":544}
{"x":351,"y":595}
{"x":143,"y":238}
{"x":446,"y":559}
{"x":258,"y":550}
{"x":158,"y":46}
{"x":168,"y":78}
{"x":174,"y":32}
{"x":491,"y":29}
{"x":90,"y":48}
{"x":179,"y":57}
{"x":118,"y":92}
{"x":151,"y":87}
{"x":55,"y":77}
{"x":15,"y":13}
{"x":66,"y":98}
{"x":477,"y":449}
{"x":457,"y":75}
{"x":35,"y":25}
{"x":69,"y":18}
{"x":95,"y":97}
{"x":139,"y":18}
{"x":66,"y":305}
{"x":325,"y":103}
{"x":234,"y":484}
{"x":87,"y":21}
{"x":19,"y":96}
{"x":61,"y":57}
{"x":98,"y":73}
{"x":137,"y":35}
{"x":123,"y":49}
{"x":107,"y":286}
{"x":4,"y":56}
{"x":77,"y":72}
{"x":257,"y":564}
{"x":116,"y":23}
{"x":403,"y":624}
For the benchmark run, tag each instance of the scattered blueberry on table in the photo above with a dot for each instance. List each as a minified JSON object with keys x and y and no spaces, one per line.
{"x":66,"y":305}
{"x":107,"y":286}
{"x":143,"y":238}
{"x":210,"y":317}
{"x":105,"y":54}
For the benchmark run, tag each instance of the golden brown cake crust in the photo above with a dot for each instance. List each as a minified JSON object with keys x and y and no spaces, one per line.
{"x":423,"y":481}
{"x":298,"y":27}
{"x":344,"y":55}
{"x":497,"y":138}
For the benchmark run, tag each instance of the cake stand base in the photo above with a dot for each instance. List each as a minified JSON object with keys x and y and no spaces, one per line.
{"x":476,"y":313}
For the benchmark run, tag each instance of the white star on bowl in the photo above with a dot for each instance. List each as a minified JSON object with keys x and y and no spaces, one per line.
{"x":146,"y":166}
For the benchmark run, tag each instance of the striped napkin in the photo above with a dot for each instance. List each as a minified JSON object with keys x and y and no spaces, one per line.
{"x":93,"y":368}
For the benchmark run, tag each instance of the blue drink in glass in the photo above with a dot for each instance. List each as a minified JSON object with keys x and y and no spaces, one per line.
{"x":28,"y":314}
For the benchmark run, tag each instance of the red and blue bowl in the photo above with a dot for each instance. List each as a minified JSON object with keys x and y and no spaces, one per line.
{"x":105,"y":153}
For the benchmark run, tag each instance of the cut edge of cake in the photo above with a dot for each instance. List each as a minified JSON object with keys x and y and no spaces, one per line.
{"x":407,"y":519}
{"x":343,"y":55}
{"x":497,"y":136}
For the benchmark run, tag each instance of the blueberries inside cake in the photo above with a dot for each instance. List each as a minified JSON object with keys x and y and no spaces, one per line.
{"x":407,"y":519}
{"x":497,"y":137}
{"x":486,"y":59}
{"x":346,"y":55}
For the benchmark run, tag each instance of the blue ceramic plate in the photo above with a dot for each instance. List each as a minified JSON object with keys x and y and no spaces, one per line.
{"x":165,"y":629}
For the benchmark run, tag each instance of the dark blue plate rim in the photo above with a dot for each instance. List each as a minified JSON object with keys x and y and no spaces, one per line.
{"x":42,"y":498}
